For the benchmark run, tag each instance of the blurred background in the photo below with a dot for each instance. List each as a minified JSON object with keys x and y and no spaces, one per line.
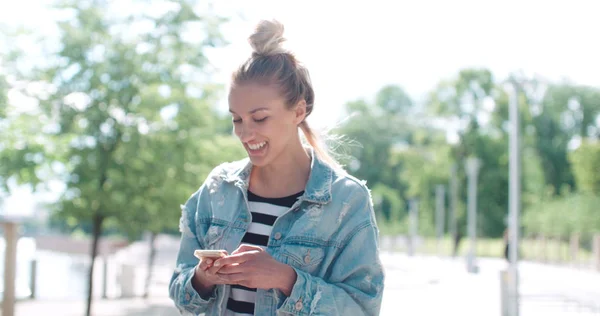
{"x":112,"y":113}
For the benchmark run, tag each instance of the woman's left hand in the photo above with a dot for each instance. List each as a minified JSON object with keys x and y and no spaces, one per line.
{"x":252,"y":267}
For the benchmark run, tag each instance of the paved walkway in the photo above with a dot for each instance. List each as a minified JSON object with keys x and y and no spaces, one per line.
{"x":156,"y":306}
{"x":414,"y":286}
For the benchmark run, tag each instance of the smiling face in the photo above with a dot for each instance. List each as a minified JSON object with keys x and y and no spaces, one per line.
{"x":263,"y":122}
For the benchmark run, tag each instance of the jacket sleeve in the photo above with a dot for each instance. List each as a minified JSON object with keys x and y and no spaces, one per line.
{"x":181,"y":291}
{"x":356,"y":283}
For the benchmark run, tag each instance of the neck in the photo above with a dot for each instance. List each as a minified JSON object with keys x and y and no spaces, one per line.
{"x":285,"y":175}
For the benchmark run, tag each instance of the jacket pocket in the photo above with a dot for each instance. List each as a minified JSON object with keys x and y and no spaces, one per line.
{"x":307,"y":258}
{"x":213,"y":239}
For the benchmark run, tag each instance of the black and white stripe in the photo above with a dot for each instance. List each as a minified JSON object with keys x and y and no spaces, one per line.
{"x":264,"y":213}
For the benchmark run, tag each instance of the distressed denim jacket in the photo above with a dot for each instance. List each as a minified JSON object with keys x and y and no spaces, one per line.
{"x":329,"y":236}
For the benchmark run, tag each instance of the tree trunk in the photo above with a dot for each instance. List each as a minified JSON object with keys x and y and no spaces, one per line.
{"x":151,"y":258}
{"x":97,"y":231}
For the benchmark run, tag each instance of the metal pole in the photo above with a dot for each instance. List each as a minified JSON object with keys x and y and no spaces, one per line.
{"x":439,"y":215}
{"x":414,"y":225}
{"x":472,"y":166}
{"x":10,"y":265}
{"x":514,"y":201}
{"x":33,"y":278}
{"x":104,"y":276}
{"x":453,"y":200}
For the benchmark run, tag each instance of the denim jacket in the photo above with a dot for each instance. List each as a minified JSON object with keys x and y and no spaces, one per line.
{"x":329,"y":237}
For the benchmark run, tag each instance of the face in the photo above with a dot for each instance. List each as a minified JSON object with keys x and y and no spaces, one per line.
{"x":263,"y":122}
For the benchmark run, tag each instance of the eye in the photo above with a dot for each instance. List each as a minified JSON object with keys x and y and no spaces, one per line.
{"x":235,"y":121}
{"x":261,"y":120}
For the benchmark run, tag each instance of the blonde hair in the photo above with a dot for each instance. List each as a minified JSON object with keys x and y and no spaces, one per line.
{"x":271,"y":64}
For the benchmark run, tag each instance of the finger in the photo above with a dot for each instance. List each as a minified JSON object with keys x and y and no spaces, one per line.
{"x":245,"y":248}
{"x":235,"y":278}
{"x":213,"y":269}
{"x":237,"y":258}
{"x":232,"y":269}
{"x":205,"y":264}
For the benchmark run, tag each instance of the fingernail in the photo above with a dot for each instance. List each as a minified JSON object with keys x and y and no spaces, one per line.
{"x":208,"y":261}
{"x":217,"y":263}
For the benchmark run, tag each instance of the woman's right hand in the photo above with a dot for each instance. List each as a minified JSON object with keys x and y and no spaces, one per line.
{"x":205,"y":277}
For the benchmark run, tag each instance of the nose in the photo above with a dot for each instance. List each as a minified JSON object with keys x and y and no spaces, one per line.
{"x":244,"y":132}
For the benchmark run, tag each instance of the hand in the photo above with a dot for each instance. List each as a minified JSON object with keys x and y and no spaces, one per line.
{"x":205,"y":277}
{"x":252,"y":267}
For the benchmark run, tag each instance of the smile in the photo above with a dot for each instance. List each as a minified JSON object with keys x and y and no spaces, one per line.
{"x":256,"y":146}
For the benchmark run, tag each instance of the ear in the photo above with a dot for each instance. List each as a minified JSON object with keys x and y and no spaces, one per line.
{"x":300,"y":112}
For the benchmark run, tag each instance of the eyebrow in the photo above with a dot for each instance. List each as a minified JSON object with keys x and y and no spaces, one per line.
{"x":254,"y":111}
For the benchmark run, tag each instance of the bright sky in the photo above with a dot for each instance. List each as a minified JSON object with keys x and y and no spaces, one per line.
{"x":352,"y":48}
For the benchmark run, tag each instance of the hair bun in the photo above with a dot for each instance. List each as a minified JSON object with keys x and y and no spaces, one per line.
{"x":267,"y":38}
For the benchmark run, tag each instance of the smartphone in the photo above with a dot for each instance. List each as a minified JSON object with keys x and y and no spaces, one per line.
{"x":213,"y":254}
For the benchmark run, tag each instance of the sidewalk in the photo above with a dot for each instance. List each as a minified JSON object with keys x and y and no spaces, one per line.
{"x":414,"y":286}
{"x":420,"y":285}
{"x":154,"y":306}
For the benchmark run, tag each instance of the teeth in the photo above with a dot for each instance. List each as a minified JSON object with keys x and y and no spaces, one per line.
{"x":257,"y":146}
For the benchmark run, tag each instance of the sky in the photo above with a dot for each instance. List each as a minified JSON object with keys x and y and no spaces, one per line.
{"x":353,"y":48}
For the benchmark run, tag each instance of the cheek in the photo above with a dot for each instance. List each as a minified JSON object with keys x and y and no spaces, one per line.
{"x":282,"y":133}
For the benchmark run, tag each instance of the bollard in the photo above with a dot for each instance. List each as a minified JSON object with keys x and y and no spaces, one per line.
{"x":596,"y":251}
{"x":574,"y":248}
{"x":544,"y":249}
{"x":104,"y":276}
{"x":32,"y":278}
{"x":127,"y":280}
{"x":558,"y":250}
{"x":538,"y":248}
{"x":504,"y":293}
{"x":10,"y":268}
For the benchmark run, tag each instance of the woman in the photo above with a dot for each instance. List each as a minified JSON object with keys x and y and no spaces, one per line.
{"x":301,"y":233}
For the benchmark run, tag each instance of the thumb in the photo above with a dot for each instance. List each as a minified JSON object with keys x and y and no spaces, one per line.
{"x":245,"y":247}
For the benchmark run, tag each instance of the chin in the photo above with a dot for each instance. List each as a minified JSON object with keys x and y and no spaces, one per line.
{"x":258,"y":161}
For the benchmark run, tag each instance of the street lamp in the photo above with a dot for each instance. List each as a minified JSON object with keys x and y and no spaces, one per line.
{"x":440,"y":192}
{"x":472,"y":166}
{"x":514,"y":196}
{"x":413,"y":209}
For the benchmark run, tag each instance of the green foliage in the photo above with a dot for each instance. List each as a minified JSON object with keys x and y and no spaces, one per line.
{"x":562,"y":216}
{"x":3,"y":97}
{"x":586,"y":167}
{"x":402,"y":159}
{"x":393,"y":100}
{"x":126,"y":120}
{"x":566,"y":111}
{"x":125,"y":117}
{"x":136,"y":114}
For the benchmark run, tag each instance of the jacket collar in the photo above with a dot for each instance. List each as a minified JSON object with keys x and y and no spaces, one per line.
{"x":318,"y":187}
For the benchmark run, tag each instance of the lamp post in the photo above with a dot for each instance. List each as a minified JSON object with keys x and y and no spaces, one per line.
{"x":414,"y":225}
{"x":514,"y":194}
{"x":453,"y":198}
{"x":439,"y":215}
{"x":472,"y":166}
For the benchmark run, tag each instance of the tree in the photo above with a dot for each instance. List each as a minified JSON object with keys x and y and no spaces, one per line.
{"x":586,"y":167}
{"x":166,"y":169}
{"x":567,"y":112}
{"x":115,"y":81}
{"x":466,"y":99}
{"x":3,"y":97}
{"x":378,"y":128}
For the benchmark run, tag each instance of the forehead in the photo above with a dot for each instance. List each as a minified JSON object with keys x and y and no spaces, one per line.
{"x":247,"y":97}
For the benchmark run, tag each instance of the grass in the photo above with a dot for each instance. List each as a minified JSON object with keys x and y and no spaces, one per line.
{"x":551,"y":251}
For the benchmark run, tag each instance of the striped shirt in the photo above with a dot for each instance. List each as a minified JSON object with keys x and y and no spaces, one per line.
{"x":264,"y":213}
